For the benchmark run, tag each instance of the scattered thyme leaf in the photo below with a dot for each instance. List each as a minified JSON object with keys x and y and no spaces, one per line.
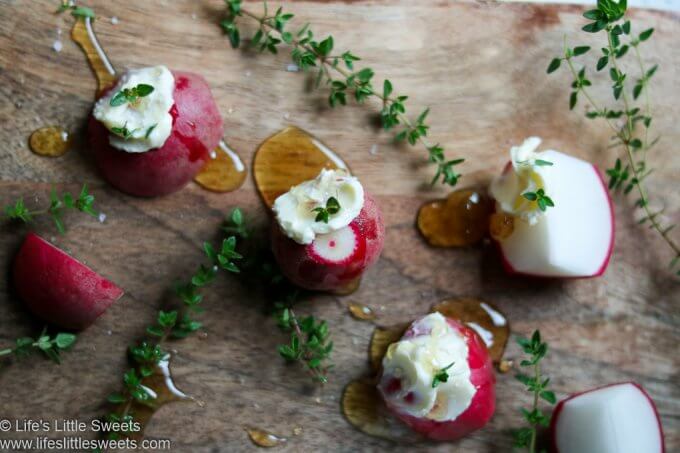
{"x":324,"y":213}
{"x":542,"y":200}
{"x":49,"y":345}
{"x":131,"y":95}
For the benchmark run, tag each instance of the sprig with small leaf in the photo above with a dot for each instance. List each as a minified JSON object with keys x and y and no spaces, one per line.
{"x":171,"y":324}
{"x":50,"y":345}
{"x":323,"y":213}
{"x":536,"y":384}
{"x":76,"y":11}
{"x":629,"y":122}
{"x":338,"y":72}
{"x":540,"y":198}
{"x":59,"y":204}
{"x":309,"y":341}
{"x":131,"y":95}
{"x":441,"y":376}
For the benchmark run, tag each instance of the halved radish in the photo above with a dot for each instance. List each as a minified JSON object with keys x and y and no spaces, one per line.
{"x":58,"y":288}
{"x":574,"y":238}
{"x":334,"y":260}
{"x":481,"y":406}
{"x":617,"y":418}
{"x":197,"y":129}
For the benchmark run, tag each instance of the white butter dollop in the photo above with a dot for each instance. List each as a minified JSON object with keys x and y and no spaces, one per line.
{"x":147,"y":120}
{"x":415,"y":361}
{"x":524,"y":176}
{"x":294,"y":210}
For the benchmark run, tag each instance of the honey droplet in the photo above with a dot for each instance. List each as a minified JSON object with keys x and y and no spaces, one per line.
{"x":225,"y":172}
{"x":50,"y":141}
{"x":361,"y":312}
{"x":501,"y":225}
{"x":364,"y":409}
{"x":83,"y":34}
{"x":485,"y":319}
{"x":265,"y":439}
{"x":460,"y":220}
{"x":505,"y":365}
{"x":288,"y":158}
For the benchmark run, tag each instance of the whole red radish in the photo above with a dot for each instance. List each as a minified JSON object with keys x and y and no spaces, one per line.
{"x":58,"y":288}
{"x":480,"y":408}
{"x":334,"y":260}
{"x":197,"y":129}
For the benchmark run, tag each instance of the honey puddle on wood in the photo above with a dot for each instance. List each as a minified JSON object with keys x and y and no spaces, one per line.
{"x":288,"y":158}
{"x":50,"y":141}
{"x":459,"y":220}
{"x":161,"y":387}
{"x":265,"y":439}
{"x":224,"y":172}
{"x":362,"y":405}
{"x":83,"y":34}
{"x":361,"y":312}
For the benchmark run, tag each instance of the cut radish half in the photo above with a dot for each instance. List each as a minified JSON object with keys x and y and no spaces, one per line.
{"x":575,"y":237}
{"x":337,"y":247}
{"x":58,"y":288}
{"x":618,"y":418}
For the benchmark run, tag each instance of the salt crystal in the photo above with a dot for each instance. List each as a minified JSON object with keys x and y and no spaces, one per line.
{"x":286,"y":116}
{"x":213,"y":154}
{"x":102,"y":217}
{"x":292,"y":67}
{"x":114,"y":20}
{"x":57,"y":46}
{"x":374,"y":150}
{"x":248,"y":73}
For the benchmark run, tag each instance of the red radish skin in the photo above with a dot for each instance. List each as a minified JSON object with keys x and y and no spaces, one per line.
{"x":560,"y":407}
{"x":303,"y":266}
{"x":509,"y":269}
{"x":197,"y":128}
{"x":58,"y":288}
{"x":483,"y":403}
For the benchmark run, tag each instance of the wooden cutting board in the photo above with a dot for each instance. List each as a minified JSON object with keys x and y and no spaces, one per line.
{"x":480,"y":66}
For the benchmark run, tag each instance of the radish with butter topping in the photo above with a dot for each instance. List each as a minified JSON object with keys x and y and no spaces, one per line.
{"x":563,"y":217}
{"x":328,"y":231}
{"x":439,"y":379}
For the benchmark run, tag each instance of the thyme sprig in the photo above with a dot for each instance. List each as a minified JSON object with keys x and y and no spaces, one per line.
{"x":50,"y":345}
{"x":59,"y":204}
{"x":76,"y":11}
{"x":540,"y":198}
{"x":537,"y":384}
{"x":625,"y":119}
{"x":309,"y":340}
{"x":131,"y":95}
{"x":171,"y":324}
{"x":338,"y":72}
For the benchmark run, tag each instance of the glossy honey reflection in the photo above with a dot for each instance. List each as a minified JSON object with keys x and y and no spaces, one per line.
{"x":264,"y":439}
{"x":288,"y":158}
{"x":224,"y":171}
{"x":50,"y":141}
{"x":459,"y":220}
{"x":83,"y":34}
{"x":361,"y":312}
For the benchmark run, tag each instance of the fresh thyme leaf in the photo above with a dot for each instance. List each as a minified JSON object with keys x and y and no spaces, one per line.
{"x":131,"y":95}
{"x":149,"y":130}
{"x":542,"y":200}
{"x":49,"y":345}
{"x":76,"y":11}
{"x":543,"y":163}
{"x":324,"y":213}
{"x":441,"y":376}
{"x":635,"y":141}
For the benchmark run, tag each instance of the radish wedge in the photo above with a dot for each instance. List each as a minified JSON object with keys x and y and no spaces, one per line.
{"x":618,"y":418}
{"x":58,"y":288}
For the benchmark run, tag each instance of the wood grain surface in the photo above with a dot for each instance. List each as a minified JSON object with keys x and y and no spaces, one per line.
{"x":480,"y":66}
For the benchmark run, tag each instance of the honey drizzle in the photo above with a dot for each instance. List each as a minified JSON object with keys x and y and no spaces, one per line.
{"x":83,"y":34}
{"x":361,"y":312}
{"x":264,"y":439}
{"x":225,"y":172}
{"x":288,"y":158}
